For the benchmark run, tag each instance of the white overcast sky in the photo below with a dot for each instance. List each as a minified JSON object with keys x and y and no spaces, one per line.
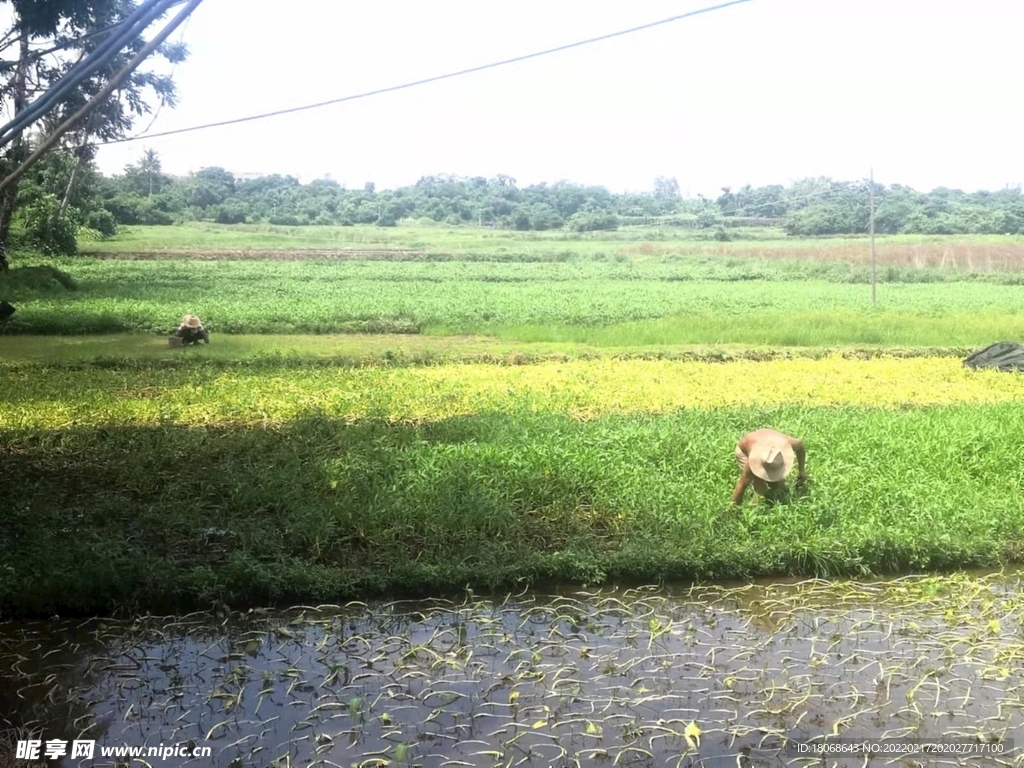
{"x":768,"y":91}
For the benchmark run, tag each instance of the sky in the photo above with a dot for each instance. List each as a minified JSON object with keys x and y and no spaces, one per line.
{"x":926,"y":94}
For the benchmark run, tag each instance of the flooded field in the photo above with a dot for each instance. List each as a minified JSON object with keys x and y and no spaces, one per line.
{"x":710,"y":676}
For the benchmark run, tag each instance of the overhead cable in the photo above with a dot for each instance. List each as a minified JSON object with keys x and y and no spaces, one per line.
{"x":136,"y":22}
{"x":104,"y":92}
{"x":426,"y":80}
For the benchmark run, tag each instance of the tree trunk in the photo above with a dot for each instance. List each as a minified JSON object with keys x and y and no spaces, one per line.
{"x":16,"y":153}
{"x":72,"y":182}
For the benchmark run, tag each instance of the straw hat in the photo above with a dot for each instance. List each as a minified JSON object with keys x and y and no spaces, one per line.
{"x":771,"y":461}
{"x":191,"y":321}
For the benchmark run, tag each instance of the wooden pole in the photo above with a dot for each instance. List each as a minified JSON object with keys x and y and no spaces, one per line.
{"x":872,"y":229}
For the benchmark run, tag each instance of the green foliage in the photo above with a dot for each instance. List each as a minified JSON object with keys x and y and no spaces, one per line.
{"x":68,"y":31}
{"x":103,"y":221}
{"x":46,"y":230}
{"x":20,"y":281}
{"x":591,"y":221}
{"x":807,"y":208}
{"x":495,"y":500}
{"x":133,"y":209}
{"x":230,"y":213}
{"x":697,"y":299}
{"x":900,"y":210}
{"x":706,"y":218}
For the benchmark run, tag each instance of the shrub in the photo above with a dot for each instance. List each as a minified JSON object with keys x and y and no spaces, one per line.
{"x":229,"y":214}
{"x":103,"y":221}
{"x":592,"y":221}
{"x":706,"y":219}
{"x":47,"y":230}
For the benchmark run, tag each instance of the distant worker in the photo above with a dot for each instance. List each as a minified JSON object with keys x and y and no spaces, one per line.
{"x":190,"y":332}
{"x":766,"y":458}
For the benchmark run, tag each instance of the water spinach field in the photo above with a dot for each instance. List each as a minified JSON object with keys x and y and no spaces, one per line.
{"x":427,"y":412}
{"x":413,"y":416}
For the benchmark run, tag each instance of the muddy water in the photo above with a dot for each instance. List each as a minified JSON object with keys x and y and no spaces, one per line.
{"x":712,"y":676}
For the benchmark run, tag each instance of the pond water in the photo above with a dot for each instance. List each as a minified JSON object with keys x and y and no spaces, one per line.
{"x":714,"y":676}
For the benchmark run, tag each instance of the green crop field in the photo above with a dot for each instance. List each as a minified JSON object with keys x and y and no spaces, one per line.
{"x":415,"y":409}
{"x":669,"y":299}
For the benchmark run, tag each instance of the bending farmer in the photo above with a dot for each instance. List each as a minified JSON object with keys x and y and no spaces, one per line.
{"x":190,"y":332}
{"x":766,"y":458}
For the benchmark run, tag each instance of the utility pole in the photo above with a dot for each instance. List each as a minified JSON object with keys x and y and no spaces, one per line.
{"x":872,"y":230}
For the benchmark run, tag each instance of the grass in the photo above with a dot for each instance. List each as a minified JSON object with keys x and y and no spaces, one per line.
{"x":101,"y":513}
{"x":777,"y":327}
{"x":600,"y":303}
{"x":973,"y":252}
{"x":41,"y":398}
{"x":434,"y":237}
{"x":349,"y":433}
{"x":354,"y":349}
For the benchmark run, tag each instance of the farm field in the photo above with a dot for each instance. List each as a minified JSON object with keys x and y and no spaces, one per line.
{"x":615,"y":298}
{"x":424,"y":415}
{"x":563,"y":410}
{"x":973,"y":252}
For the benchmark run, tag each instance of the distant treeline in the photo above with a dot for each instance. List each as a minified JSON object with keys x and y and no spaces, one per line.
{"x":64,"y":193}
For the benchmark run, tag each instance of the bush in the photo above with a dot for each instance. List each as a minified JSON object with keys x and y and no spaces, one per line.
{"x":129,"y":208}
{"x":592,"y":221}
{"x":706,"y":219}
{"x":821,"y":219}
{"x":543,"y":217}
{"x":285,"y":220}
{"x":229,"y":214}
{"x":47,"y":230}
{"x":103,"y":221}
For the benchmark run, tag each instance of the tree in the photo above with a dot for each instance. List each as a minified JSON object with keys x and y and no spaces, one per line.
{"x":48,"y":38}
{"x":151,"y":169}
{"x":146,"y":178}
{"x":666,"y":189}
{"x":726,"y":202}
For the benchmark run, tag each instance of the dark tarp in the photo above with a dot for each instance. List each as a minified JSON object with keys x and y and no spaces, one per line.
{"x":6,"y":310}
{"x":1003,"y":355}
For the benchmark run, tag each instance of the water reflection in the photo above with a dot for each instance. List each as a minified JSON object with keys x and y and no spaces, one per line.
{"x":711,"y":676}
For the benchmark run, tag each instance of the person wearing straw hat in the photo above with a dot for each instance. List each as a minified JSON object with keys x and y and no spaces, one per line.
{"x":190,"y":332}
{"x":766,"y":458}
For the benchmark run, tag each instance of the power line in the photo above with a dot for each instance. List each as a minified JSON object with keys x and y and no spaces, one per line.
{"x":104,"y":92}
{"x":71,"y":42}
{"x":433,"y":79}
{"x":75,"y":41}
{"x":134,"y":24}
